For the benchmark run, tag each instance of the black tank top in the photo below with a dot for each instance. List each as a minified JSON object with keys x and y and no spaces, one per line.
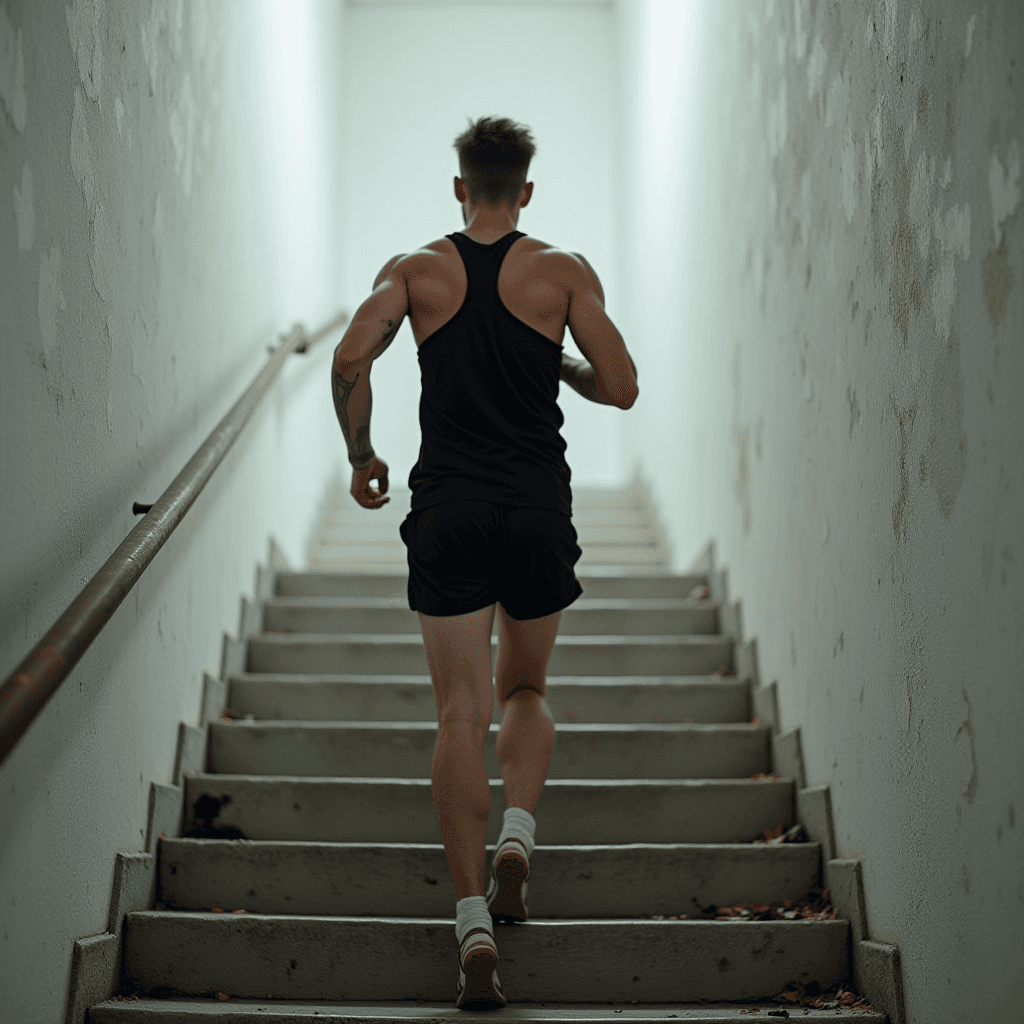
{"x":489,"y":413}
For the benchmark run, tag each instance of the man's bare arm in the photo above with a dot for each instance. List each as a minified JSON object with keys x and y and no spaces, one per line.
{"x":596,"y":281}
{"x":592,"y":274}
{"x":371,"y":331}
{"x":580,"y":374}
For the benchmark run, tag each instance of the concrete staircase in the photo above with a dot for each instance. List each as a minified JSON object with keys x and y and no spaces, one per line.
{"x":669,"y":877}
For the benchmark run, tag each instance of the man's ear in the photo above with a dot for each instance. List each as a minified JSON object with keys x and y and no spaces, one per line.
{"x":460,"y":190}
{"x":526,"y":194}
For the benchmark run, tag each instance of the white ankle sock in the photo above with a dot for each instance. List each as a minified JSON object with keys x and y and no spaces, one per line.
{"x":518,"y":824}
{"x":471,"y":912}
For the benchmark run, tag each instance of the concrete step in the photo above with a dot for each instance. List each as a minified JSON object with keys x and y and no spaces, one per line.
{"x":404,"y":653}
{"x":628,"y":534}
{"x":410,"y":698}
{"x":588,"y":498}
{"x":586,"y":615}
{"x":395,"y":552}
{"x":571,"y":811}
{"x":405,"y":750}
{"x":414,"y":880}
{"x":394,"y":512}
{"x":327,"y":563}
{"x":251,"y":955}
{"x":184,"y":1010}
{"x":374,"y":583}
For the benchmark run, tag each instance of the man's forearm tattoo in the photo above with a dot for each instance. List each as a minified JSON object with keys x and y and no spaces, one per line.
{"x":360,"y":451}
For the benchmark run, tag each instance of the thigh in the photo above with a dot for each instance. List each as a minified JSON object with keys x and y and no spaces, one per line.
{"x":536,"y":576}
{"x":451,"y":550}
{"x":458,"y":649}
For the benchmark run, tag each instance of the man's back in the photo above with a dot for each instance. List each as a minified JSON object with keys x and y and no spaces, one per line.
{"x":488,"y":324}
{"x":535,"y":284}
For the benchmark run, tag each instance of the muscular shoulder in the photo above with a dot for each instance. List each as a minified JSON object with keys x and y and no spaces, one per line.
{"x":567,"y":269}
{"x":560,"y":267}
{"x":426,"y":259}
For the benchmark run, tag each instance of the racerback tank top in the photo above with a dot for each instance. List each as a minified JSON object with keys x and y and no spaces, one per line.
{"x":489,"y":413}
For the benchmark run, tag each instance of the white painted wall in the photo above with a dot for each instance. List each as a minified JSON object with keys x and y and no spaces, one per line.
{"x":832,"y":391}
{"x":170,"y":175}
{"x":416,"y":70}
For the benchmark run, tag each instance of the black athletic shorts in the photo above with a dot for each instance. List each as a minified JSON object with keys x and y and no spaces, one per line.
{"x":465,"y":555}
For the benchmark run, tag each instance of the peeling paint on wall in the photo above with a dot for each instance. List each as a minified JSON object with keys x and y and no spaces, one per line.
{"x":848,"y":176}
{"x":851,"y":400}
{"x":102,"y":253}
{"x":905,"y":291}
{"x":12,"y":72}
{"x":952,"y":232}
{"x":874,"y":162}
{"x":914,"y":30}
{"x":905,"y":418}
{"x":997,"y":280}
{"x":24,"y":210}
{"x":51,"y":301}
{"x":1004,"y":187}
{"x":81,"y":153}
{"x":889,"y":37}
{"x":946,"y":458}
{"x":103,"y":257}
{"x":1004,"y":192}
{"x":972,"y":784}
{"x":182,"y":124}
{"x":84,"y":19}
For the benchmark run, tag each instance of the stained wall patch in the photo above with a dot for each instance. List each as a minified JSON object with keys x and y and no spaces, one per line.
{"x":24,"y":210}
{"x":12,"y":72}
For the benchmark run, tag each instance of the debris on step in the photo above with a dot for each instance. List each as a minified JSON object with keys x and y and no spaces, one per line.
{"x":795,"y":835}
{"x":843,"y":997}
{"x":699,"y":593}
{"x":814,"y":906}
{"x":723,"y":670}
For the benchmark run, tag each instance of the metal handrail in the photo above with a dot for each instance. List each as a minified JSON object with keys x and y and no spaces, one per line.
{"x":27,"y":689}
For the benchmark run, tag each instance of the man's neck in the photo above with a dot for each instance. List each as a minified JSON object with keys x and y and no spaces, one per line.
{"x":489,"y":225}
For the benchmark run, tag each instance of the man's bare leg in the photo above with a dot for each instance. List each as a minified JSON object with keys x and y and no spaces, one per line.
{"x":526,"y":740}
{"x":458,"y":649}
{"x":458,"y":652}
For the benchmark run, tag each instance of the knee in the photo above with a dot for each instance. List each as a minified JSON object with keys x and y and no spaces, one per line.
{"x":529,"y":696}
